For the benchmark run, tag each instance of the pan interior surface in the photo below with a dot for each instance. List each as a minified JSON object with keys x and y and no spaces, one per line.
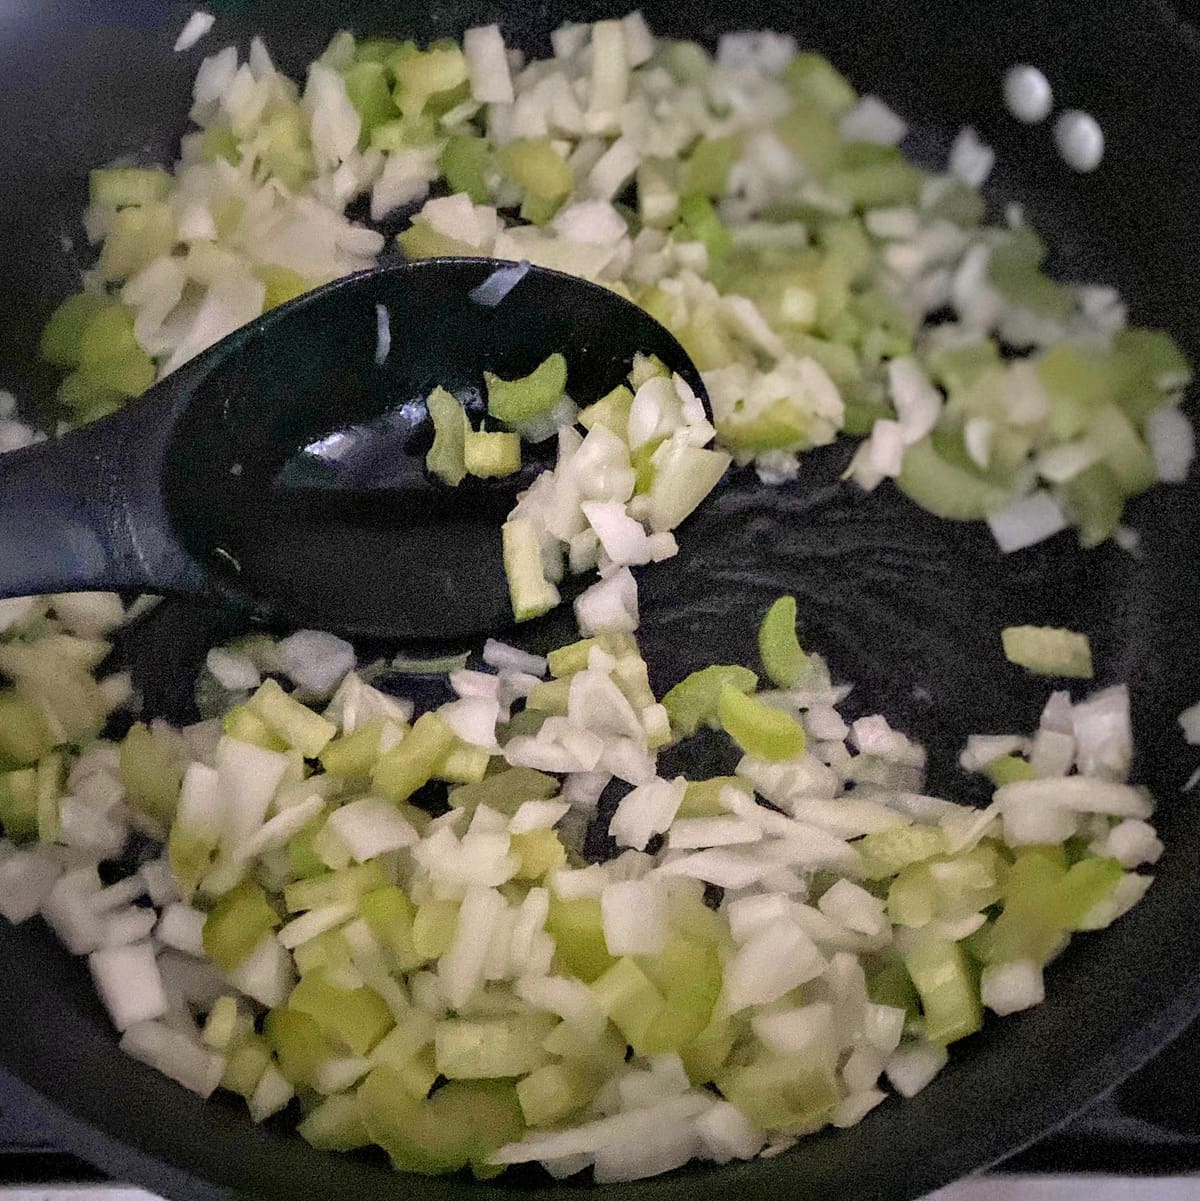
{"x":904,"y":605}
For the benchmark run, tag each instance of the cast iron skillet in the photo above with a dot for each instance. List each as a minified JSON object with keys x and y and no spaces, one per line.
{"x":905,"y":605}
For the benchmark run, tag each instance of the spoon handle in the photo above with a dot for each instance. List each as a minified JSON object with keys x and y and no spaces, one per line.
{"x":84,"y":512}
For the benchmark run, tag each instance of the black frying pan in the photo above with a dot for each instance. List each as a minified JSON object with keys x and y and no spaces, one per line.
{"x":907,"y":606}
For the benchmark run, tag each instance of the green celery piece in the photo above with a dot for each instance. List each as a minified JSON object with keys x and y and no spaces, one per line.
{"x":631,"y":1001}
{"x":464,"y":162}
{"x":116,"y":187}
{"x":287,"y":153}
{"x":367,"y":88}
{"x":304,"y":860}
{"x":1126,"y":455}
{"x":813,"y":79}
{"x":19,"y":804}
{"x":688,"y":62}
{"x":706,"y":171}
{"x":578,"y":931}
{"x":759,"y":729}
{"x":282,"y":284}
{"x":506,"y":791}
{"x":839,"y":361}
{"x":425,"y":74}
{"x":333,"y":888}
{"x":790,"y":1094}
{"x":890,"y":984}
{"x":555,"y":1091}
{"x":1075,"y":373}
{"x":1094,"y":503}
{"x":783,"y":425}
{"x":87,"y":399}
{"x":704,"y":1057}
{"x":958,"y":203}
{"x":24,"y":735}
{"x":530,"y":593}
{"x":861,"y":415}
{"x":463,"y":763}
{"x":1014,"y":271}
{"x":219,"y":141}
{"x":491,"y":1049}
{"x":886,"y":852}
{"x":236,"y":924}
{"x":567,"y":660}
{"x":1087,"y":884}
{"x":1032,"y":923}
{"x":335,"y":1125}
{"x":702,"y":798}
{"x":1007,"y":769}
{"x":49,"y":780}
{"x":295,"y":723}
{"x":109,"y":355}
{"x":688,"y":975}
{"x":693,"y":702}
{"x":782,"y":657}
{"x":540,"y":851}
{"x":357,"y":1018}
{"x":810,"y":134}
{"x":646,"y":367}
{"x":876,"y":185}
{"x":412,"y":762}
{"x":151,"y":773}
{"x":957,"y":368}
{"x":537,"y":167}
{"x":491,"y":455}
{"x":447,"y":456}
{"x":632,"y":676}
{"x":245,"y":1065}
{"x":299,"y":1045}
{"x":353,"y":756}
{"x":700,"y":222}
{"x":434,"y":925}
{"x":912,"y":897}
{"x":944,"y":489}
{"x":949,"y":996}
{"x":538,"y":210}
{"x":1149,"y":366}
{"x":404,"y":133}
{"x":62,"y":337}
{"x":412,"y":1035}
{"x":242,"y":723}
{"x":327,"y":952}
{"x":390,"y":915}
{"x":530,"y":396}
{"x":421,"y":241}
{"x":642,"y":461}
{"x":464,"y":1123}
{"x":1048,"y":651}
{"x":138,"y":236}
{"x":382,"y":50}
{"x":611,"y":410}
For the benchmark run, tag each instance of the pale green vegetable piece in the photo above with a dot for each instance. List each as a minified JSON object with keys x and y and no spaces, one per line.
{"x":760,"y":730}
{"x":447,"y":456}
{"x":1047,"y":651}
{"x":778,"y":646}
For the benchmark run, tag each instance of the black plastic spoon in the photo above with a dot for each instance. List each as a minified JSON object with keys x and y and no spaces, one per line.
{"x":284,"y":468}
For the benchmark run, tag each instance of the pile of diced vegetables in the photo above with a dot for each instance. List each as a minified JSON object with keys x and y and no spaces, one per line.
{"x":382,"y":920}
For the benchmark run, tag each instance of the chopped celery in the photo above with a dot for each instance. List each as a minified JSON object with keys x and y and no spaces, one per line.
{"x":506,"y":791}
{"x":701,"y":798}
{"x":957,"y":368}
{"x":958,"y":203}
{"x":299,"y":1044}
{"x":421,"y":241}
{"x":335,"y":1125}
{"x":304,"y":860}
{"x":24,"y":734}
{"x":282,"y":284}
{"x":577,"y":928}
{"x":700,"y":222}
{"x":792,"y":1094}
{"x":550,"y":696}
{"x":555,"y":1091}
{"x":219,"y":141}
{"x":413,"y":761}
{"x":1032,"y":923}
{"x":861,"y":413}
{"x":540,"y":851}
{"x":1094,"y":502}
{"x":811,"y":134}
{"x":329,"y":952}
{"x":630,"y":1000}
{"x":530,"y":396}
{"x":538,"y":168}
{"x":632,"y":677}
{"x":1007,"y":769}
{"x":694,"y":701}
{"x":49,"y":778}
{"x":463,"y":763}
{"x":425,"y":74}
{"x":462,"y":1124}
{"x":63,"y":335}
{"x":567,"y":660}
{"x":390,"y":915}
{"x":1149,"y":366}
{"x":404,"y":133}
{"x":885,"y":852}
{"x":237,"y":923}
{"x":706,"y":1054}
{"x":446,"y":457}
{"x":1014,"y":271}
{"x":245,"y":1065}
{"x":813,"y":79}
{"x":530,"y":592}
{"x":1120,"y":447}
{"x":354,"y":756}
{"x":944,"y":489}
{"x":333,"y":888}
{"x":357,"y":1018}
{"x":151,"y":773}
{"x":1047,"y":651}
{"x":688,"y":975}
{"x":18,"y":804}
{"x":295,"y":723}
{"x":491,"y":455}
{"x":778,"y":646}
{"x":242,"y":723}
{"x":367,"y":88}
{"x":138,"y":236}
{"x":890,"y":984}
{"x":877,"y":185}
{"x":611,"y":410}
{"x":485,"y":1050}
{"x":949,"y":996}
{"x":116,"y":187}
{"x":406,"y":1041}
{"x":434,"y":924}
{"x":706,"y":171}
{"x":110,"y":356}
{"x":464,"y":162}
{"x":1088,"y":883}
{"x":783,"y":425}
{"x":760,"y":730}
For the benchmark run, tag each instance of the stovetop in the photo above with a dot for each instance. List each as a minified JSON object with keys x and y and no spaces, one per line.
{"x":1149,"y":1126}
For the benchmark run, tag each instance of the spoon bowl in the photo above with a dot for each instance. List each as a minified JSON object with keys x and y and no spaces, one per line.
{"x":284,"y":468}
